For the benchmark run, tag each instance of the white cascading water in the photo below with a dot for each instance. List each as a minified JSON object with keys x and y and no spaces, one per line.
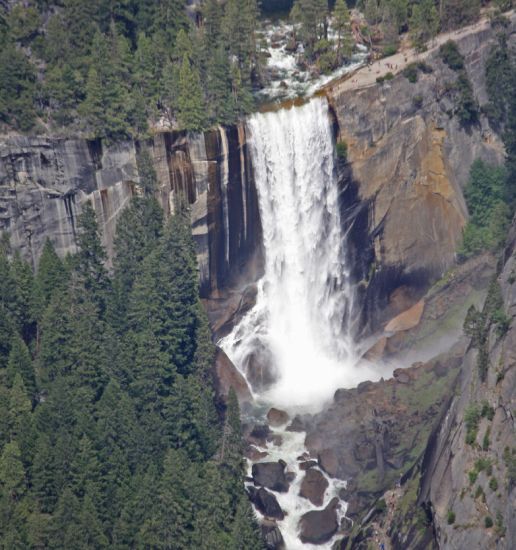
{"x":305,"y":300}
{"x":304,"y":307}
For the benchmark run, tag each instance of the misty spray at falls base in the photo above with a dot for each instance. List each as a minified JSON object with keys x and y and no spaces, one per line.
{"x":296,"y":345}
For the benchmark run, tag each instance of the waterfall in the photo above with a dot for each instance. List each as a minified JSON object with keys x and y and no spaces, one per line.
{"x":295,"y":345}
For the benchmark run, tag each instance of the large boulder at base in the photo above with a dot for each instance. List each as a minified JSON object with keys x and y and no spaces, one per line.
{"x":259,"y":435}
{"x":227,"y":376}
{"x":272,"y":536}
{"x":319,"y":526}
{"x":408,"y":319}
{"x":266,"y":503}
{"x":271,"y":475}
{"x":329,"y":462}
{"x":259,"y":368}
{"x":313,"y":486}
{"x":276,"y":417}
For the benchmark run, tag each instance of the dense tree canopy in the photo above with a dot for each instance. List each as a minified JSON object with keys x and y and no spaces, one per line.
{"x":109,"y":434}
{"x":108,"y":68}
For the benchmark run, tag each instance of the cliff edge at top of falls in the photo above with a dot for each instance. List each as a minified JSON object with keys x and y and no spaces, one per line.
{"x":409,"y":159}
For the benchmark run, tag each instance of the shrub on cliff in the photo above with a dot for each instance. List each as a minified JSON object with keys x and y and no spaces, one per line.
{"x":451,"y":55}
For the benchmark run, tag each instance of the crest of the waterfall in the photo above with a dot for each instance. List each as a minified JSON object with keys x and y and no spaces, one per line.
{"x":295,"y":345}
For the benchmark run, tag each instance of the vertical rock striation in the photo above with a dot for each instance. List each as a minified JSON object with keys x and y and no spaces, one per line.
{"x":44,"y":181}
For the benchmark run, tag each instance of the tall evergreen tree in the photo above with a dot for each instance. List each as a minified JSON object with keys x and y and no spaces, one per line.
{"x":342,"y":25}
{"x":190,"y":103}
{"x":91,"y":256}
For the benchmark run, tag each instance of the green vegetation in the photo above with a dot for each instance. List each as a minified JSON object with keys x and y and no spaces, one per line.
{"x":451,"y":55}
{"x":487,"y":411}
{"x":342,"y":150}
{"x":107,"y":70}
{"x":482,"y":464}
{"x":489,"y":213}
{"x":109,"y":431}
{"x":388,"y":76}
{"x":466,"y":108}
{"x":499,"y":526}
{"x":417,"y":101}
{"x":450,"y":517}
{"x":477,"y":326}
{"x":312,"y":22}
{"x":472,"y":475}
{"x":509,"y":457}
{"x":471,"y":420}
{"x":412,"y":69}
{"x":485,"y":440}
{"x":493,"y":484}
{"x":488,"y":522}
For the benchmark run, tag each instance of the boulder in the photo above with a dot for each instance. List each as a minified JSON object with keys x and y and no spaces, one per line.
{"x":401,"y":376}
{"x":259,"y":434}
{"x":408,"y":319}
{"x":319,"y":526}
{"x":296,"y":425}
{"x":276,"y":439}
{"x":266,"y":503}
{"x":329,"y":462}
{"x":259,"y":369}
{"x":271,"y":475}
{"x":272,"y":536}
{"x":313,"y":487}
{"x":254,"y":454}
{"x":307,"y":465}
{"x":277,"y":417}
{"x":227,"y":376}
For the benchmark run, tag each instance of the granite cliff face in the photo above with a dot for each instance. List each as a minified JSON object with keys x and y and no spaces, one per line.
{"x":469,"y":469}
{"x":44,"y":181}
{"x":409,"y":159}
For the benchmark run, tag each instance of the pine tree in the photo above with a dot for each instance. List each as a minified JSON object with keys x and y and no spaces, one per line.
{"x":19,"y":408}
{"x":342,"y":26}
{"x":147,"y":173}
{"x":23,"y":306}
{"x":92,"y":109}
{"x":424,"y":23}
{"x":246,"y":535}
{"x":20,"y":362}
{"x":190,"y":103}
{"x":12,"y":473}
{"x":91,"y":256}
{"x":138,"y":231}
{"x":44,"y":475}
{"x":218,"y":87}
{"x":232,"y":449}
{"x":65,"y":529}
{"x":54,"y":358}
{"x":50,"y":277}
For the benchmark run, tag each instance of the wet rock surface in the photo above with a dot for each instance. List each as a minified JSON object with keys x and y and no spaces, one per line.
{"x":227,"y":376}
{"x":313,"y":486}
{"x":271,"y":475}
{"x":319,"y":526}
{"x":272,"y":536}
{"x":371,"y":435}
{"x":277,"y":417}
{"x":266,"y":503}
